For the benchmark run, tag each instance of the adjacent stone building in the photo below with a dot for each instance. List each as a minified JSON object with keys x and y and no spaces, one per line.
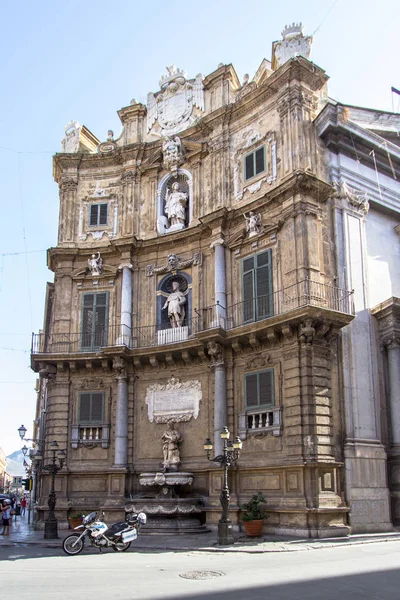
{"x":203,"y":277}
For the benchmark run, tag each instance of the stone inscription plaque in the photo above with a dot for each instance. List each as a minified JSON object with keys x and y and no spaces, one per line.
{"x":174,"y":401}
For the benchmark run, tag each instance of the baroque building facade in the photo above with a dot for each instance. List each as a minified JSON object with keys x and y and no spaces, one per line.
{"x":202,"y":279}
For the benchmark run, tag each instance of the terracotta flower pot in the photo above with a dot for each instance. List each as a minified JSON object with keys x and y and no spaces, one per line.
{"x":253,"y":528}
{"x":74,"y":521}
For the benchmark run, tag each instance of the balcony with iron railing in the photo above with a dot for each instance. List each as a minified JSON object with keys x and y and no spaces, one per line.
{"x":259,"y":309}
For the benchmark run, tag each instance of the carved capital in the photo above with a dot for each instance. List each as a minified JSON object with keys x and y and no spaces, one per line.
{"x":216,"y":353}
{"x":119,"y":366}
{"x":306,"y":332}
{"x":391,"y":341}
{"x":68,"y":184}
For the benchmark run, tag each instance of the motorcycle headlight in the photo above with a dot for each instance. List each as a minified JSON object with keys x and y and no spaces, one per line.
{"x":142,"y":518}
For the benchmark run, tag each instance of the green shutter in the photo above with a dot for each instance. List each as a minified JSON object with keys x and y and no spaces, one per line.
{"x":94,"y":211}
{"x":251,"y":390}
{"x":266,"y":387}
{"x":264,"y":285}
{"x":103,"y":214}
{"x":260,"y":160}
{"x":249,"y":166}
{"x":94,"y":321}
{"x":84,"y":407}
{"x":97,"y":407}
{"x":248,"y":289}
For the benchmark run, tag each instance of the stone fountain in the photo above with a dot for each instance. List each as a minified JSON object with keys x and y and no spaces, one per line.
{"x":168,"y":511}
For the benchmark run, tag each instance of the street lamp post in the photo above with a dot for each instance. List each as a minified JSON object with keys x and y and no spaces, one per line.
{"x":56,"y":464}
{"x":229,"y":456}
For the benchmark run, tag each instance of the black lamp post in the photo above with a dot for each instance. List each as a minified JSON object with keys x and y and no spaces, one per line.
{"x":229,"y":456}
{"x":56,"y":464}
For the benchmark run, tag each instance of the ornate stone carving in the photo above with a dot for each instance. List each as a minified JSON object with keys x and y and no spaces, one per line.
{"x":48,"y":372}
{"x":70,"y":142}
{"x":306,"y":332}
{"x":170,"y":439}
{"x":91,"y":384}
{"x":259,"y":361}
{"x":173,"y":154}
{"x":173,"y":106}
{"x":216,"y":353}
{"x":119,"y":366}
{"x":174,"y":401}
{"x":68,"y":184}
{"x":174,"y":263}
{"x":354,"y":198}
{"x":253,"y":223}
{"x":293,"y":43}
{"x":391,"y":341}
{"x":95,"y":265}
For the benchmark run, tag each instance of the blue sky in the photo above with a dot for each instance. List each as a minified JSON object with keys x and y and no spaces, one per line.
{"x":86,"y":59}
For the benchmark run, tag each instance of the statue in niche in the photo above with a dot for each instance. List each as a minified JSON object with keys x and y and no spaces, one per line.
{"x":171,"y":438}
{"x":175,"y":304}
{"x":95,"y":264}
{"x":253,"y":223}
{"x":172,"y":153}
{"x":175,"y":207}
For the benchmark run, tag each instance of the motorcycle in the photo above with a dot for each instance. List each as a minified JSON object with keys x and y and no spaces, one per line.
{"x":118,"y":536}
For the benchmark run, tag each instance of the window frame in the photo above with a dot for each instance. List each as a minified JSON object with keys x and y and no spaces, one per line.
{"x":98,"y":205}
{"x":90,"y":421}
{"x":253,"y":153}
{"x":259,"y":406}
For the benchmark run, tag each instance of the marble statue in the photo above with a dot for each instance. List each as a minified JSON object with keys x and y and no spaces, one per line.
{"x":175,"y":305}
{"x":175,"y":207}
{"x":70,"y":143}
{"x":171,"y":438}
{"x":95,"y":264}
{"x":253,"y":223}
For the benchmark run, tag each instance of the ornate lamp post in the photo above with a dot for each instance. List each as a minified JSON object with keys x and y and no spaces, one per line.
{"x":229,"y":456}
{"x":56,"y":464}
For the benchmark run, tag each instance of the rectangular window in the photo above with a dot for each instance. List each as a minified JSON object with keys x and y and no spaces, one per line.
{"x":254,"y":163}
{"x":257,"y":289}
{"x":98,"y":214}
{"x":94,"y":323}
{"x":259,"y":389}
{"x":91,"y":407}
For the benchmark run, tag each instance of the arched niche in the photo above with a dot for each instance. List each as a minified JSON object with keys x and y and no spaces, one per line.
{"x":165,"y":331}
{"x":184,"y":180}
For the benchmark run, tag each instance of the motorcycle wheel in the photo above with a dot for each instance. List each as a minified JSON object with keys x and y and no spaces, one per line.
{"x":121,"y":546}
{"x":69,"y":547}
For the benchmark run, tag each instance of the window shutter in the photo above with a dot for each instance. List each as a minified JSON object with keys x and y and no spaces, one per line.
{"x":93,"y":219}
{"x":263,"y":285}
{"x":84,"y":407}
{"x":87,"y":320}
{"x":103,"y":214}
{"x":266,"y":387}
{"x":249,"y":166}
{"x":97,"y":407}
{"x":248,"y":289}
{"x":100,"y":325}
{"x":260,"y":160}
{"x":251,"y":391}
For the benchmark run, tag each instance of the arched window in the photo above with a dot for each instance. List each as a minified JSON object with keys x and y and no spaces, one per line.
{"x":174,"y":202}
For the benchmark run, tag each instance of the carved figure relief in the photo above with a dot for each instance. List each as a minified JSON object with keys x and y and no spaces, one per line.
{"x":253,"y":223}
{"x":307,"y":332}
{"x":356,"y":199}
{"x":95,"y":264}
{"x":216,"y":353}
{"x":174,"y":105}
{"x":171,"y":438}
{"x":173,"y":155}
{"x":174,"y":263}
{"x":175,"y":304}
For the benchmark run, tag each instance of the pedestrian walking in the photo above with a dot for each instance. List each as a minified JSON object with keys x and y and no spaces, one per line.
{"x":6,"y":516}
{"x":23,"y":506}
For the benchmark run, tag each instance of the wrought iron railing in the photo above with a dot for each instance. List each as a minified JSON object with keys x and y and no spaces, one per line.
{"x":304,"y":293}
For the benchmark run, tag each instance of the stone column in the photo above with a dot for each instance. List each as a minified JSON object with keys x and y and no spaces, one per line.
{"x":125,"y":333}
{"x":216,"y":352}
{"x":219,"y":282}
{"x":393,"y":352}
{"x":121,"y":414}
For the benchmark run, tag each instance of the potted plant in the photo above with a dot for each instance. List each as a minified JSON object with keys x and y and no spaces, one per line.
{"x":75,"y":519}
{"x":253,"y":515}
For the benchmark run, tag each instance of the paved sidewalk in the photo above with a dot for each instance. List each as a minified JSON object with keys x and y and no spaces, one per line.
{"x":22,"y":534}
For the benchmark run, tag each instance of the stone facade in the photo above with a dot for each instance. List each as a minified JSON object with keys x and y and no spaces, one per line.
{"x":197,"y":282}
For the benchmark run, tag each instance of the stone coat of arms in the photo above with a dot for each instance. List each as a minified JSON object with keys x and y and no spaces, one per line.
{"x":173,"y":106}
